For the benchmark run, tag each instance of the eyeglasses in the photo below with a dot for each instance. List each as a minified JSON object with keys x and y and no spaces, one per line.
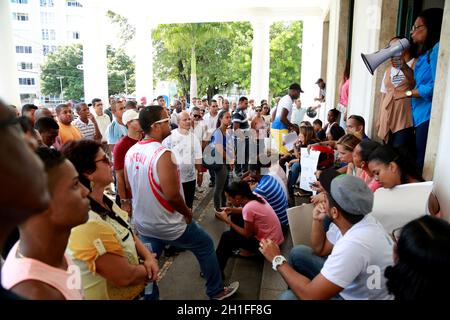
{"x":197,"y":116}
{"x":161,"y":121}
{"x":396,"y":234}
{"x":105,"y":160}
{"x":415,"y":28}
{"x":258,"y":110}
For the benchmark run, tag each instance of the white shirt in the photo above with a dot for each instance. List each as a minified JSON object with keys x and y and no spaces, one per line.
{"x":298,"y":115}
{"x":211,"y":122}
{"x":201,"y":131}
{"x":285,"y":103}
{"x":186,"y":148}
{"x":397,"y":77}
{"x":152,"y":213}
{"x":103,"y":122}
{"x":358,"y":260}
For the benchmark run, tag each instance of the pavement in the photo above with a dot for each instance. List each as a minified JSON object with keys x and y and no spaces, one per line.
{"x":180,"y":275}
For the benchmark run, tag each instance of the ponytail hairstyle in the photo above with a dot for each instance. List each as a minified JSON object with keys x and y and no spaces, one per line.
{"x":387,"y":154}
{"x":242,"y":189}
{"x":349,"y":142}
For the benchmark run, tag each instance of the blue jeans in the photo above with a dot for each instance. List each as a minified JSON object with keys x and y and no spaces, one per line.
{"x":294,"y":173}
{"x":421,"y":144}
{"x":200,"y":243}
{"x":303,"y":260}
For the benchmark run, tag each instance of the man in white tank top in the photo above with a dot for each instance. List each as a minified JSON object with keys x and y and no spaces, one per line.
{"x":159,"y":210}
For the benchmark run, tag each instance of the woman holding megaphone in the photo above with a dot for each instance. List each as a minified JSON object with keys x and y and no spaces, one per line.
{"x":395,"y":123}
{"x":425,"y":33}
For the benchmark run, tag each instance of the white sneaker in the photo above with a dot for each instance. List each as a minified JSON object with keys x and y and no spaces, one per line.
{"x":228,"y":291}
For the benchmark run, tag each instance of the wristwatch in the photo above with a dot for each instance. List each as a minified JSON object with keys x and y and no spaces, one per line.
{"x":408,"y":93}
{"x":278,"y":261}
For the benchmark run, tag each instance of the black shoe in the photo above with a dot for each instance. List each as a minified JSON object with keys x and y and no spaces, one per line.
{"x":171,"y":251}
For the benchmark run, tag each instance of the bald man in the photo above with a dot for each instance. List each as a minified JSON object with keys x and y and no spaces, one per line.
{"x":188,"y":154}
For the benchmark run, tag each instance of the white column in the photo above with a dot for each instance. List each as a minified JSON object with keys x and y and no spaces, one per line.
{"x":144,"y":60}
{"x":311,"y":59}
{"x":439,"y":134}
{"x":260,"y":60}
{"x":366,"y":35}
{"x":333,"y":40}
{"x":9,"y":82}
{"x":94,"y":51}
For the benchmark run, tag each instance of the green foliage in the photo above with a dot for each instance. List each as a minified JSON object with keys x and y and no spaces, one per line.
{"x":120,"y":67}
{"x":126,"y":30}
{"x":64,"y":61}
{"x":285,"y":56}
{"x":225,"y":59}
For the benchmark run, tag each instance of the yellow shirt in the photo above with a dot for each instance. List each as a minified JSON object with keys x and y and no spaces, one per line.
{"x":98,"y":236}
{"x":68,"y":132}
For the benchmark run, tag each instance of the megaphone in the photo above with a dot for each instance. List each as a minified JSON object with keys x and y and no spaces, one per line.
{"x":373,"y":60}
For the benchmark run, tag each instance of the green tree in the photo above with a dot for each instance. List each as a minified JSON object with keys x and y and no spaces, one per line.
{"x":285,"y":56}
{"x":185,"y":38}
{"x":126,"y":30}
{"x":121,"y":76}
{"x":63,"y":63}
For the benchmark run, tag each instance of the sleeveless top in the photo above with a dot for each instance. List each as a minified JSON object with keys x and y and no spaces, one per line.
{"x":395,"y":113}
{"x":16,"y":270}
{"x":152,"y":212}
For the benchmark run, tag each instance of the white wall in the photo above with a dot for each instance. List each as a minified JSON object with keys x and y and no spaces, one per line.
{"x":366,"y":32}
{"x":311,"y":59}
{"x":333,"y":37}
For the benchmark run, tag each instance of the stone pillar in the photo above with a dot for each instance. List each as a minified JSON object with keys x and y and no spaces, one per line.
{"x":337,"y":51}
{"x":437,"y":159}
{"x":144,"y":60}
{"x":260,"y":60}
{"x":325,"y":39}
{"x":366,"y":39}
{"x":311,"y":59}
{"x":95,"y":67}
{"x":9,"y":82}
{"x":388,"y":30}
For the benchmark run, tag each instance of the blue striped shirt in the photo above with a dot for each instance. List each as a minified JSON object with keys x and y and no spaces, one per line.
{"x":271,"y":190}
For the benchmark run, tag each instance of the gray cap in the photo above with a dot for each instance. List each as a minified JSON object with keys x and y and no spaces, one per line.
{"x":352,"y":195}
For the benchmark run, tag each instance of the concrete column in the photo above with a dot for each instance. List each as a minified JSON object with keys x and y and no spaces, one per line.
{"x":311,"y":59}
{"x":325,"y":40}
{"x":144,"y":60}
{"x":9,"y":82}
{"x":337,"y":51}
{"x":388,"y":29}
{"x":366,"y":39}
{"x":259,"y":85}
{"x":437,"y":159}
{"x":95,"y":67}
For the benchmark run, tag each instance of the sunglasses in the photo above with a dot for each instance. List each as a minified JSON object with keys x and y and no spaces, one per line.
{"x":161,"y":121}
{"x":105,"y":160}
{"x":258,"y":110}
{"x":197,"y":116}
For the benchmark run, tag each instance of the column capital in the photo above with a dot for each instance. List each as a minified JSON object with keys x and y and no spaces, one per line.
{"x":261,"y":23}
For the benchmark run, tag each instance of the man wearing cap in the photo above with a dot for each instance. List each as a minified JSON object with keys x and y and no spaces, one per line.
{"x":281,"y":117}
{"x":357,"y":246}
{"x":322,"y":92}
{"x":130,"y":118}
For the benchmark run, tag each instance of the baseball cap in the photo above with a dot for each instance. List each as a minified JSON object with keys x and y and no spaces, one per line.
{"x":352,"y":194}
{"x":130,"y":115}
{"x":295,"y":86}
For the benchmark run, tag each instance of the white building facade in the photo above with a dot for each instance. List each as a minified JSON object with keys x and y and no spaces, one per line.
{"x":39,"y":27}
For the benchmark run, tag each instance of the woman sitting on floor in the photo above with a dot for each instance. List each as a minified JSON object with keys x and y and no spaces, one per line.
{"x":361,"y":160}
{"x":392,"y":167}
{"x":251,"y":220}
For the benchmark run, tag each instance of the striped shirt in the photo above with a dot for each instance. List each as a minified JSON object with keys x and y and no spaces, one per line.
{"x":271,"y":190}
{"x":240,"y":116}
{"x":87,"y":130}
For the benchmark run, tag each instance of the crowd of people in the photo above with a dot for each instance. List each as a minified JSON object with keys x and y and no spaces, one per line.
{"x":108,"y":191}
